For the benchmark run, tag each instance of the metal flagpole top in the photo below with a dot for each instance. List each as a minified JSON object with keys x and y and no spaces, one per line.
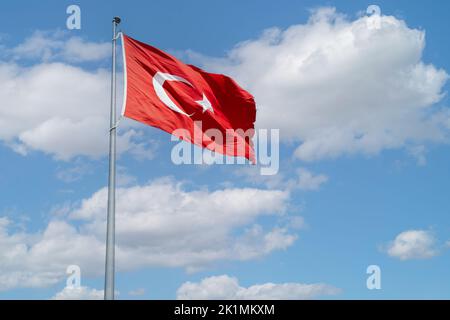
{"x":117,"y":20}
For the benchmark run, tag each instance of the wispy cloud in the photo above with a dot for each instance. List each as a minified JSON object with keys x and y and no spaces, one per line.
{"x":79,"y":293}
{"x":226,"y":287}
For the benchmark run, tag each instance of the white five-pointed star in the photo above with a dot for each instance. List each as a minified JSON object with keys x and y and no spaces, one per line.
{"x":206,"y":105}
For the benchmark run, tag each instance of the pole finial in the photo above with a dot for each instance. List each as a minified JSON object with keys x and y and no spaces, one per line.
{"x":116,"y":20}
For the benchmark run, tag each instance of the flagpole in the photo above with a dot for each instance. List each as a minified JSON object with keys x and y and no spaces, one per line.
{"x":110,"y":229}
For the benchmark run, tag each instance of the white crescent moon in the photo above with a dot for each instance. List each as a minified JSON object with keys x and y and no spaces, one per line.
{"x":158,"y":80}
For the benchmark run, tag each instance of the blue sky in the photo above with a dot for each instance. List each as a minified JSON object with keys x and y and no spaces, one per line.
{"x":365,"y":184}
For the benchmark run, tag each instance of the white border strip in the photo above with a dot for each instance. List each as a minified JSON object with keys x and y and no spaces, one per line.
{"x":125,"y":87}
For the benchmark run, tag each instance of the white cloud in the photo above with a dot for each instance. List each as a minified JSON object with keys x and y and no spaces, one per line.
{"x":79,"y":293}
{"x":50,"y":46}
{"x":338,"y":87}
{"x":413,"y":244}
{"x":419,"y":153}
{"x":308,"y":181}
{"x":124,"y":179}
{"x":137,"y":292}
{"x":40,"y":259}
{"x":75,"y":172}
{"x":303,"y":179}
{"x":187,"y":228}
{"x":226,"y":287}
{"x":157,"y":224}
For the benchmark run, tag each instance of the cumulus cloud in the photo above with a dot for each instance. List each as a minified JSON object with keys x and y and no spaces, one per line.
{"x":336,"y":86}
{"x":226,"y":287}
{"x":78,"y":293}
{"x":157,"y":224}
{"x":40,"y":259}
{"x":59,"y":108}
{"x":181,"y":228}
{"x":413,"y":244}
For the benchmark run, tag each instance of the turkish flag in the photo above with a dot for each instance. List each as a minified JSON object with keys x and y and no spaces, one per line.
{"x":165,"y":93}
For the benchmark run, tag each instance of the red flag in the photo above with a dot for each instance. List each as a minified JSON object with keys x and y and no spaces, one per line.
{"x":165,"y":93}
